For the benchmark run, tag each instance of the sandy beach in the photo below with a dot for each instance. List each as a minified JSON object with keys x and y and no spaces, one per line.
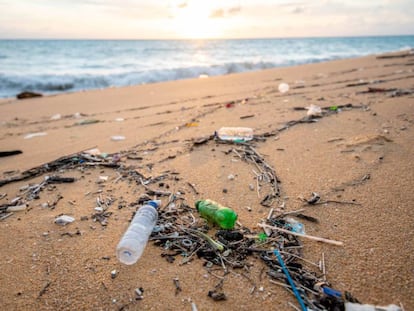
{"x":358,"y":156}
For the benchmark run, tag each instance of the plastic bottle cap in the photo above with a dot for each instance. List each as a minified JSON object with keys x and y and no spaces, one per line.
{"x":155,"y":203}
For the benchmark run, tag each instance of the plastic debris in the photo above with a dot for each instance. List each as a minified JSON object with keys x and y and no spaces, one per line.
{"x":87,"y":121}
{"x":57,"y":116}
{"x":117,"y":137}
{"x":314,"y":111}
{"x":16,"y":208}
{"x":214,"y":212}
{"x":283,"y":87}
{"x":63,"y":220}
{"x":349,"y":306}
{"x":235,"y":134}
{"x":295,"y":225}
{"x":119,"y":119}
{"x":31,"y":135}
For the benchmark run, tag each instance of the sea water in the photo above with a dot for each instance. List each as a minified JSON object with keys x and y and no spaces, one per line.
{"x":56,"y":66}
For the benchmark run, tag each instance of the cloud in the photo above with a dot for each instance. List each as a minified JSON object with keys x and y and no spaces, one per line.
{"x":221,"y":12}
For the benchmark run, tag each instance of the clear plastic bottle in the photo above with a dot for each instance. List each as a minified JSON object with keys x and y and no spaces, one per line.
{"x":235,"y":134}
{"x":134,"y":240}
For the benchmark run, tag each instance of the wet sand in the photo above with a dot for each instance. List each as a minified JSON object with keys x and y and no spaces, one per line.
{"x":361,"y":154}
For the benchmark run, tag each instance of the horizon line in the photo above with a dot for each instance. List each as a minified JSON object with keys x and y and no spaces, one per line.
{"x":208,"y":39}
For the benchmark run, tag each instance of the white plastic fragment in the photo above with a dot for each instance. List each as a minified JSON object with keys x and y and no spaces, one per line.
{"x":283,"y":87}
{"x":117,"y":137}
{"x":31,"y":135}
{"x":314,"y":111}
{"x":64,"y":220}
{"x":57,"y":116}
{"x":235,"y":133}
{"x":359,"y":307}
{"x":119,"y":119}
{"x":17,"y":208}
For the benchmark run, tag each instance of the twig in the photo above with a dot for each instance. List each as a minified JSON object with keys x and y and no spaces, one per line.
{"x":323,"y":267}
{"x":44,"y":289}
{"x":334,"y":201}
{"x":310,"y":237}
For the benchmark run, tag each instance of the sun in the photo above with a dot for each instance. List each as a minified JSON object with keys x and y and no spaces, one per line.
{"x":191,"y":20}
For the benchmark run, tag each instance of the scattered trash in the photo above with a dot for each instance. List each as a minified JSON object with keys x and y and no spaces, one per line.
{"x":247,"y":116}
{"x":295,"y":225}
{"x":117,"y":137}
{"x":235,"y":134}
{"x":314,"y":111}
{"x":31,"y":135}
{"x":116,"y":158}
{"x":134,"y":240}
{"x":193,"y":307}
{"x":283,"y":87}
{"x":103,"y":178}
{"x":16,"y":208}
{"x":178,"y":288}
{"x":191,"y":124}
{"x":231,"y":177}
{"x":57,"y":116}
{"x":93,"y":151}
{"x":87,"y":122}
{"x":315,"y":198}
{"x":63,"y":220}
{"x":119,"y":119}
{"x":220,"y":215}
{"x":114,"y":274}
{"x":203,"y":76}
{"x":139,"y":293}
{"x":349,"y":306}
{"x":27,"y":94}
{"x":9,"y":153}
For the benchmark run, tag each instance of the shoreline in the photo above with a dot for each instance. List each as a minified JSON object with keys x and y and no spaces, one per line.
{"x":360,"y":153}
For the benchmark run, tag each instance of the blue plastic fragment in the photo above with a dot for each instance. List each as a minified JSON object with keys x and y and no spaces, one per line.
{"x":331,"y":292}
{"x":292,"y":284}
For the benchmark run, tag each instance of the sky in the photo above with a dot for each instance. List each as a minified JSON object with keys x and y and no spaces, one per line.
{"x":199,"y":19}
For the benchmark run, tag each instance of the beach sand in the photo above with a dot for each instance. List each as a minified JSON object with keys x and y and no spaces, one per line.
{"x":363,"y":154}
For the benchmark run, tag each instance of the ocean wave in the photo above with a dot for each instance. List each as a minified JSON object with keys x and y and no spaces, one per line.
{"x":50,"y":84}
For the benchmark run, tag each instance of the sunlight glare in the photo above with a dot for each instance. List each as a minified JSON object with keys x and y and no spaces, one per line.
{"x":192,"y":20}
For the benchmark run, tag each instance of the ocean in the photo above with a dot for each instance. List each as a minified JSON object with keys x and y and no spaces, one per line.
{"x":57,"y":66}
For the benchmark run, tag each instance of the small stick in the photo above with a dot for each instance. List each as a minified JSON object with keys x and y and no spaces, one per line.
{"x":177,"y":286}
{"x":310,"y":237}
{"x":279,"y":283}
{"x":6,"y":216}
{"x":193,"y":187}
{"x":298,"y":257}
{"x":44,"y":289}
{"x":323,"y":267}
{"x":270,"y":214}
{"x":334,"y":201}
{"x":293,"y":306}
{"x":292,"y":212}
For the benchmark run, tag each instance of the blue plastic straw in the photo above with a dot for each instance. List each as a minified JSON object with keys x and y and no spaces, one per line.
{"x":292,"y":284}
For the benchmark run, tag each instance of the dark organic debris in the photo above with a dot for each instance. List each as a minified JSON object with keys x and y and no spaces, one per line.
{"x":217,"y":295}
{"x":9,"y":153}
{"x":66,"y":162}
{"x":27,"y":94}
{"x":315,"y":198}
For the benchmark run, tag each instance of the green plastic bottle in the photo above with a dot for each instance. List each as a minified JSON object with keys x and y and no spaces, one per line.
{"x":214,"y":212}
